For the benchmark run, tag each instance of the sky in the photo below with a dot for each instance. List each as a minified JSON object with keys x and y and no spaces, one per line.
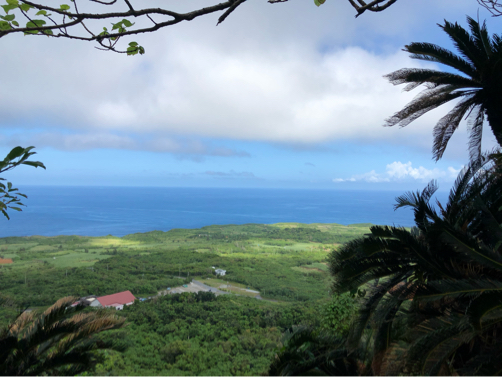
{"x":287,"y":95}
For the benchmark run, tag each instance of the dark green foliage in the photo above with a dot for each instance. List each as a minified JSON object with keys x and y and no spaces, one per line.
{"x":200,"y":334}
{"x":478,"y":86}
{"x":231,"y":233}
{"x":338,"y":313}
{"x":434,"y":295}
{"x":10,"y":197}
{"x":187,"y":334}
{"x":308,"y":351}
{"x":59,"y":341}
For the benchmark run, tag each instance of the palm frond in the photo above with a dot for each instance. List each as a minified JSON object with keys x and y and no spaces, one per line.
{"x":476,"y":133}
{"x":415,"y":77}
{"x":370,"y":305}
{"x":482,"y":305}
{"x":414,"y":200}
{"x":465,"y":44}
{"x":306,"y":351}
{"x":447,"y":125}
{"x":486,"y":363}
{"x":472,"y":249}
{"x":435,"y":345}
{"x":497,"y":44}
{"x":58,"y":341}
{"x":455,"y":289}
{"x":433,"y":53}
{"x":459,"y":188}
{"x":419,"y":201}
{"x":426,"y":101}
{"x":480,"y":36}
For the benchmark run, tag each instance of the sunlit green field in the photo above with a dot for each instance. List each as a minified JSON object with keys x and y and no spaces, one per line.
{"x":284,"y":262}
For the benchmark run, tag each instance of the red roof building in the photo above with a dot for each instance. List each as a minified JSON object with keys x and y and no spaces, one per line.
{"x":117,"y":300}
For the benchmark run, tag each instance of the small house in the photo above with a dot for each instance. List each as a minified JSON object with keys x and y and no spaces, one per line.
{"x":220,"y":272}
{"x":117,"y":300}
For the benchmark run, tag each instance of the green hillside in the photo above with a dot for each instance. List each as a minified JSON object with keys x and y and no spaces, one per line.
{"x":184,"y":333}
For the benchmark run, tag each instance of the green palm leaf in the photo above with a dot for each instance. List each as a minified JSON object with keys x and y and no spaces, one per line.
{"x":433,"y":53}
{"x":478,"y":86}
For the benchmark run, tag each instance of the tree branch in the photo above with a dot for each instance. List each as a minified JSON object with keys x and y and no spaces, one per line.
{"x":62,"y":21}
{"x":360,"y":5}
{"x":493,"y":6}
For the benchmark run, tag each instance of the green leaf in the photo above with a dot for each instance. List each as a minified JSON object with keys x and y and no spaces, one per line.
{"x":8,"y":7}
{"x":36,"y":164}
{"x":64,"y":7}
{"x":4,"y":25}
{"x":13,"y":2}
{"x":319,"y":2}
{"x":9,"y":185}
{"x":5,"y":214}
{"x":16,"y":208}
{"x":41,"y":13}
{"x":9,"y":17}
{"x":48,"y":32}
{"x":25,"y":7}
{"x":127,"y":23}
{"x":134,"y":49}
{"x":36,"y":23}
{"x":15,"y":153}
{"x":15,"y":23}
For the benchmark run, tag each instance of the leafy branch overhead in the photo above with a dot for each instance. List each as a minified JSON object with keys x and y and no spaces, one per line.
{"x":10,"y":197}
{"x":107,"y":21}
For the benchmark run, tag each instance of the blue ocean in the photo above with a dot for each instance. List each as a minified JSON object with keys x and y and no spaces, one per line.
{"x":99,"y":211}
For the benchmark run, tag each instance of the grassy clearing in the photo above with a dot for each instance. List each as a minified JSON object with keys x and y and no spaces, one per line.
{"x":75,"y":260}
{"x":307,"y":270}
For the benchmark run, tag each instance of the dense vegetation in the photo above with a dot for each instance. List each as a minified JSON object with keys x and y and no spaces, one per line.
{"x":188,"y":334}
{"x":431,"y":301}
{"x":201,"y":334}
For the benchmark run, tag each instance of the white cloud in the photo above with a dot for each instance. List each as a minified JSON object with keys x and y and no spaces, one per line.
{"x":398,"y":171}
{"x":298,"y":96}
{"x":286,"y":73}
{"x":216,"y":82}
{"x":102,"y":140}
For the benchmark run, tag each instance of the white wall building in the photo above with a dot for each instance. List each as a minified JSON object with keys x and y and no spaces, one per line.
{"x":220,"y":272}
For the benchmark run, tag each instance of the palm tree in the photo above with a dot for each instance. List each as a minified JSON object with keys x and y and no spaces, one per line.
{"x":310,"y":351}
{"x":434,"y":297}
{"x":59,"y":341}
{"x":478,"y":85}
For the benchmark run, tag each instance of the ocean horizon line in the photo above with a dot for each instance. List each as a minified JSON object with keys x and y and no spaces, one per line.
{"x":100,"y":211}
